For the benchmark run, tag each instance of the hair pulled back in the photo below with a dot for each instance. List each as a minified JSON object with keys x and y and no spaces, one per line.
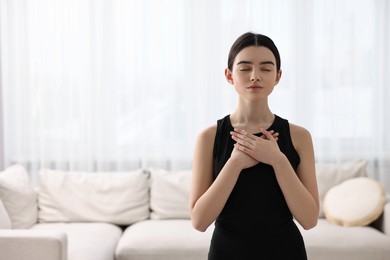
{"x":252,"y":39}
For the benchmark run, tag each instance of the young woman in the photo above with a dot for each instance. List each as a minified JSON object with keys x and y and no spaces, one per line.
{"x":253,"y":171}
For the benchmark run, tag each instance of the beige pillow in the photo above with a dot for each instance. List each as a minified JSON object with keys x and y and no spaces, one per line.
{"x":18,"y":197}
{"x":329,"y":175}
{"x":169,"y":194}
{"x":5,"y":222}
{"x":355,"y":202}
{"x":118,"y":198}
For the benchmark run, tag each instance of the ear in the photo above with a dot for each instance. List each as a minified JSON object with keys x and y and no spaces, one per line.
{"x":278,"y":76}
{"x":228,"y":76}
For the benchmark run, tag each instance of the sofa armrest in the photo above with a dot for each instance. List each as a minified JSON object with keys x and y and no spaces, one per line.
{"x":383,"y":222}
{"x":385,"y":225}
{"x":27,"y":244}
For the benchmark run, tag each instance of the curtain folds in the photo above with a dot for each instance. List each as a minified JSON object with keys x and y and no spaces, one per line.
{"x":116,"y":85}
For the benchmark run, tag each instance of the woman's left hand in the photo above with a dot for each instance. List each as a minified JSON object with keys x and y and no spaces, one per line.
{"x":263,"y":149}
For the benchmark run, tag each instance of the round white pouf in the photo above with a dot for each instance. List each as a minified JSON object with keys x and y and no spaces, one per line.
{"x":354,"y":202}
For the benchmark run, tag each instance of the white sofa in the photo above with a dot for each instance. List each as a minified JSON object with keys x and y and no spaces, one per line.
{"x":143,"y":215}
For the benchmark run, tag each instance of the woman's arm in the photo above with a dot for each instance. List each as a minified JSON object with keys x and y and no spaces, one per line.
{"x":209,"y":196}
{"x":300,"y":188}
{"x":306,"y":173}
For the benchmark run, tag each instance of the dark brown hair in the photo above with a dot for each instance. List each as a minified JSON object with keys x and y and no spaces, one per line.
{"x":252,"y":39}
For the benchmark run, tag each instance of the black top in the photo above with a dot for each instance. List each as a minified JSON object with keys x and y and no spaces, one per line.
{"x":255,"y":219}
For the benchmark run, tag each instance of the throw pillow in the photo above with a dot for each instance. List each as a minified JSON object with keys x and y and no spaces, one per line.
{"x":18,"y":197}
{"x":112,"y":197}
{"x":5,"y":222}
{"x":329,"y":175}
{"x":169,"y":194}
{"x":355,"y":202}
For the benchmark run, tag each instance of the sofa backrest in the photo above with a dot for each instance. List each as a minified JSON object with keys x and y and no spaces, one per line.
{"x":120,"y":198}
{"x":169,"y":194}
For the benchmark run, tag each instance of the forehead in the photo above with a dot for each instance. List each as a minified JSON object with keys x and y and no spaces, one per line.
{"x":255,"y":54}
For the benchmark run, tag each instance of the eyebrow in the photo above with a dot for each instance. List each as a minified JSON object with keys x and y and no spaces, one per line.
{"x":261,"y":63}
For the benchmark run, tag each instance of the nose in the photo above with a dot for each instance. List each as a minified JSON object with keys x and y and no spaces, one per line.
{"x":255,"y":76}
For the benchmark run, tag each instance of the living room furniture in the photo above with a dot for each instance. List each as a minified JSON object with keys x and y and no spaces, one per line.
{"x":143,"y":215}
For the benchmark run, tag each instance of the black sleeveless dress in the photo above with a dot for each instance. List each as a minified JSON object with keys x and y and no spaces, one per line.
{"x":256,"y":222}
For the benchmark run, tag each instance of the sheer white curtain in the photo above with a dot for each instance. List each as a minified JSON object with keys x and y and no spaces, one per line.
{"x":115,"y":85}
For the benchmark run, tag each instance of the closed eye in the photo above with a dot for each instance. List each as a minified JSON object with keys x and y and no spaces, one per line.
{"x":266,"y":68}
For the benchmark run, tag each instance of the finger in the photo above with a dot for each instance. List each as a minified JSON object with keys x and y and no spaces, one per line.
{"x":241,"y":148}
{"x":274,"y":134}
{"x":267,"y":134}
{"x":242,"y":139}
{"x":238,"y":146}
{"x":244,"y":133}
{"x":242,"y":142}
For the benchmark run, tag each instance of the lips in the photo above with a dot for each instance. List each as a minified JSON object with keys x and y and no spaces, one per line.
{"x":254,"y":87}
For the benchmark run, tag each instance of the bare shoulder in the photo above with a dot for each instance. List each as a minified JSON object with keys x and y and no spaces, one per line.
{"x":204,"y":146}
{"x":299,"y":131}
{"x":207,"y":135}
{"x":202,"y":164}
{"x":300,"y":136}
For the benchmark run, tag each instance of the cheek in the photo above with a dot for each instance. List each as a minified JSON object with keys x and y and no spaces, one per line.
{"x":240,"y":78}
{"x":239,"y":82}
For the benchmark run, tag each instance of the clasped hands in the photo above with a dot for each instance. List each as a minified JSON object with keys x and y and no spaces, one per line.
{"x":252,"y":149}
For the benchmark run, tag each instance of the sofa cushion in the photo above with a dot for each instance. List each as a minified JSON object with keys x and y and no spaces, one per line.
{"x":329,"y":175}
{"x":87,"y":241}
{"x":354,"y":202}
{"x":18,"y":196}
{"x":329,"y":241}
{"x":169,"y":194}
{"x":118,"y":198}
{"x":28,"y":244}
{"x":163,"y":240}
{"x":5,"y":222}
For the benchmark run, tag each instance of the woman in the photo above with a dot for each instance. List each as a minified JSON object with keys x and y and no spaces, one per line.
{"x":253,"y":171}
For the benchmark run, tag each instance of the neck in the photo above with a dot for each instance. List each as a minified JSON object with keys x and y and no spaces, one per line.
{"x":251,"y":118}
{"x":252,"y":114}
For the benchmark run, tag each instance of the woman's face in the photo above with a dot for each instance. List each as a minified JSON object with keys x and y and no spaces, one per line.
{"x":254,"y":72}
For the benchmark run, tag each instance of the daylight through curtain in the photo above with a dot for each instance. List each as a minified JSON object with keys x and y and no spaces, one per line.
{"x":117,"y":85}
